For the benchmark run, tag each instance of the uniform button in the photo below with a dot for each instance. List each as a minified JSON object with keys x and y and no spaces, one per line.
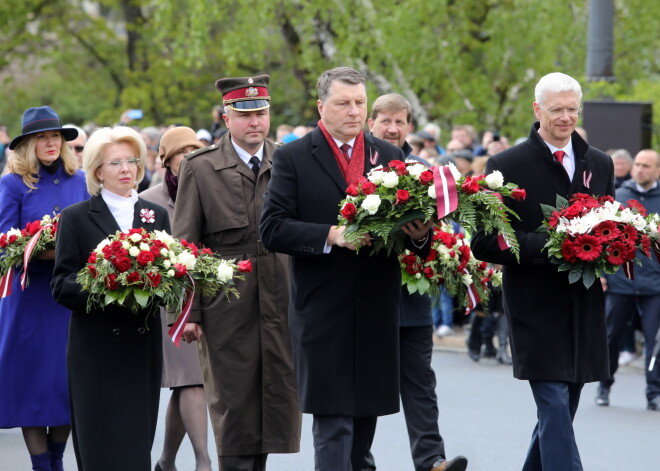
{"x":142,"y":331}
{"x":116,"y":332}
{"x":56,"y":181}
{"x":56,"y":207}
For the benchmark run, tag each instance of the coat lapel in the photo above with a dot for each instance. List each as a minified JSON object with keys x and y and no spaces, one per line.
{"x":323,"y":154}
{"x":101,"y":215}
{"x":228,"y":158}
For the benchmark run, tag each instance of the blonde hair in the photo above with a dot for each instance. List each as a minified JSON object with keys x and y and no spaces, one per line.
{"x":26,"y":164}
{"x":95,"y":152}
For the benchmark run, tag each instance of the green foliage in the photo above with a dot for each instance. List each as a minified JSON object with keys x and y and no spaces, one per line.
{"x":473,"y":61}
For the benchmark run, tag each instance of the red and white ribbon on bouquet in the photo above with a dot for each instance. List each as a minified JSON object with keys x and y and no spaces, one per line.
{"x":446,"y":195}
{"x":28,"y":253}
{"x":472,"y":295}
{"x":176,"y":330}
{"x":5,"y":283}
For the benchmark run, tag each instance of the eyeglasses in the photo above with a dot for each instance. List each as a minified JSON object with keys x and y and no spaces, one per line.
{"x":557,"y":112}
{"x":116,"y":164}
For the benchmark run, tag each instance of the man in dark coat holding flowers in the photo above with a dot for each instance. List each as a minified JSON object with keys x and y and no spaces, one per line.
{"x":343,"y":308}
{"x":558,"y":332}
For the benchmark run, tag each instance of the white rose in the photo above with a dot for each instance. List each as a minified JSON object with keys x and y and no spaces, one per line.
{"x":371,"y":203}
{"x":390,"y":180}
{"x":126,"y":244}
{"x":495,"y":180}
{"x":187,"y":259}
{"x":416,"y":169}
{"x":144,"y":246}
{"x":376,"y":175}
{"x":14,"y":232}
{"x":163,"y":252}
{"x":164,"y":237}
{"x":431,"y":191}
{"x":225,"y":272}
{"x":170,"y":273}
{"x":135,"y":237}
{"x":133,"y":252}
{"x":466,"y":279}
{"x":166,"y":264}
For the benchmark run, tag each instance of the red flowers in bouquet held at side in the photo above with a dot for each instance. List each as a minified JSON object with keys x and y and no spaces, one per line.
{"x":138,"y":269}
{"x":591,"y":236}
{"x":450,"y":262}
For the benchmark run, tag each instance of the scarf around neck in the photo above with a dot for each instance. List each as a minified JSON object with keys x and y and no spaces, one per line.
{"x":353,"y":170}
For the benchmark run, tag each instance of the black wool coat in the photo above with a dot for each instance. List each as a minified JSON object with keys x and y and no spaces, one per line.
{"x":114,"y":357}
{"x":343,"y":309}
{"x":557,"y":329}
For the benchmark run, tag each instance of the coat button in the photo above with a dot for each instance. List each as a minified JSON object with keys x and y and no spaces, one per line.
{"x":116,"y":332}
{"x":142,"y":331}
{"x":56,"y":181}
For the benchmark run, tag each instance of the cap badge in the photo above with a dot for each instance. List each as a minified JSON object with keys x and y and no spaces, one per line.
{"x":251,"y":92}
{"x":250,"y":80}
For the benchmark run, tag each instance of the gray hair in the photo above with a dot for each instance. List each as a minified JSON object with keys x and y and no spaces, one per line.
{"x":341,"y":74}
{"x":622,"y":154}
{"x":556,"y":82}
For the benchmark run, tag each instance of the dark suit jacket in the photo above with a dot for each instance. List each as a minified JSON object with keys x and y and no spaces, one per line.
{"x":114,"y":357}
{"x":343,"y":309}
{"x":557,"y":329}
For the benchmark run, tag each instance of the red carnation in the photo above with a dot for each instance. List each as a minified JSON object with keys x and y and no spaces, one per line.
{"x":92,"y":270}
{"x":616,"y":253}
{"x":133,"y":277}
{"x":518,"y":194}
{"x":145,"y":257}
{"x":428,"y":272}
{"x":433,"y":254}
{"x":154,"y":279}
{"x":12,"y":238}
{"x":573,"y":210}
{"x":398,"y":166}
{"x":349,"y":211}
{"x":402,"y":196}
{"x":587,"y":247}
{"x":470,"y":186}
{"x":92,"y":258}
{"x":409,"y":259}
{"x":634,"y":204}
{"x":111,"y":282}
{"x":121,"y":264}
{"x":568,"y":251}
{"x":368,"y":188}
{"x":207,"y":251}
{"x":579,"y":197}
{"x":426,"y":177}
{"x":245,"y":266}
{"x":352,"y":190}
{"x":179,"y":270}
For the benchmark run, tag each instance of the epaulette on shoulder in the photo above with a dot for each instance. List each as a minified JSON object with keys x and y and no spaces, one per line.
{"x":201,"y":151}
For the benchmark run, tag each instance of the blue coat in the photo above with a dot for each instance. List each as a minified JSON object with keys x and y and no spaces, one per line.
{"x":33,"y":327}
{"x":647,"y":277}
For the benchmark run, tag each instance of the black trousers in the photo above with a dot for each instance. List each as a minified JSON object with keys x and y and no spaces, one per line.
{"x":341,"y":443}
{"x":420,"y":403}
{"x":243,"y":463}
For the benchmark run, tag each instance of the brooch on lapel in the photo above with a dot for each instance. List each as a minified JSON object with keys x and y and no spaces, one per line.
{"x":373,"y":157}
{"x":586,"y":178}
{"x":148,"y":216}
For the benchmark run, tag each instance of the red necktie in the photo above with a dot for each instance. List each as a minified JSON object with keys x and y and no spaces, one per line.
{"x":344,"y":150}
{"x":559,"y":156}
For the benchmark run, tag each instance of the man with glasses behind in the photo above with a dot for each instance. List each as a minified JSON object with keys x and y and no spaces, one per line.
{"x":558,"y":332}
{"x":78,"y":144}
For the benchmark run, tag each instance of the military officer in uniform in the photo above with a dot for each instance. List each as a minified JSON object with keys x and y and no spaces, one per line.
{"x":244,"y":344}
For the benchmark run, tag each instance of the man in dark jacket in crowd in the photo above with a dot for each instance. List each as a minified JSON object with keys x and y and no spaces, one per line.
{"x":558,"y":332}
{"x":643,"y":292}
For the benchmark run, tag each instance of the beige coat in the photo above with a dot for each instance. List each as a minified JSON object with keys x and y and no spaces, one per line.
{"x":180,"y":364}
{"x":246,"y":349}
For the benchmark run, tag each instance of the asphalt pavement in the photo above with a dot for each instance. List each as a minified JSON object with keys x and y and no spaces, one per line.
{"x":485,"y":414}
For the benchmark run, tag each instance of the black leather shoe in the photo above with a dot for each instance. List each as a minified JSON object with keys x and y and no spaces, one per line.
{"x":603,"y":396}
{"x":457,"y":464}
{"x":489,"y":351}
{"x":654,"y":404}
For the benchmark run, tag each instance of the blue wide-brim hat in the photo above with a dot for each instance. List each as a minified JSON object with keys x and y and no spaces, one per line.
{"x":40,"y":119}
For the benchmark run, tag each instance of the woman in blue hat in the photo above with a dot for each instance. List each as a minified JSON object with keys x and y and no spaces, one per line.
{"x":33,"y":327}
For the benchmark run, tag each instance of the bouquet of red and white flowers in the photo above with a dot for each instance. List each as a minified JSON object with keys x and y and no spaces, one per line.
{"x":139,"y":269}
{"x":403,"y":191}
{"x":19,"y":246}
{"x":450,"y":262}
{"x":592,"y":236}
